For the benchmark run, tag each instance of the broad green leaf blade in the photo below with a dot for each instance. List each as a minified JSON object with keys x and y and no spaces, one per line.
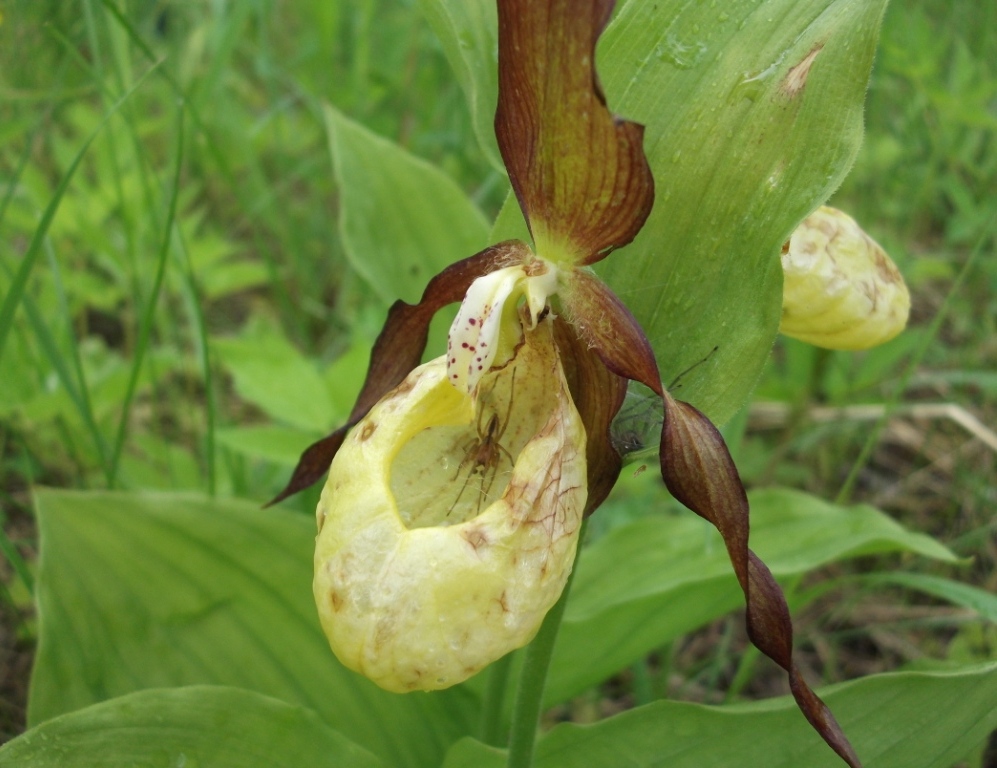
{"x":281,"y":445}
{"x":470,"y":753}
{"x":741,"y":150}
{"x":467,"y":33}
{"x":754,"y":116}
{"x":401,"y":219}
{"x":192,"y":726}
{"x":648,"y":582}
{"x":974,"y":598}
{"x":272,"y":374}
{"x":895,"y":721}
{"x":141,"y":591}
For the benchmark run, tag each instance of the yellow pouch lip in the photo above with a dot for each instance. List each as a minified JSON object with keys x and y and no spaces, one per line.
{"x":426,"y":607}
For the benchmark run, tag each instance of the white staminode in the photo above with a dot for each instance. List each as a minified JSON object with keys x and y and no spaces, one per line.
{"x":487,"y":327}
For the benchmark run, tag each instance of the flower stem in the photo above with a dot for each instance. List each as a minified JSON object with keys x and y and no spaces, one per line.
{"x":490,"y":731}
{"x":533,"y":678}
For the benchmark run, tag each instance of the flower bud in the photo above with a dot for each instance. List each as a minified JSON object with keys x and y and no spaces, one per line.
{"x":840,"y":289}
{"x":448,"y":524}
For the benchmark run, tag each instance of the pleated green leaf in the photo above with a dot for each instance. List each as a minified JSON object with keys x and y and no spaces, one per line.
{"x":140,"y":591}
{"x":193,"y":726}
{"x":753,"y":110}
{"x":269,"y":372}
{"x":907,"y":720}
{"x":470,"y":753}
{"x":467,"y":32}
{"x":965,"y":595}
{"x":401,"y":219}
{"x":651,"y":581}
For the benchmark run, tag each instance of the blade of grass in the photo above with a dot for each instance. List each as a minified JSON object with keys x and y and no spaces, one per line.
{"x":77,"y":393}
{"x":954,"y":592}
{"x":287,"y":306}
{"x":17,"y":563}
{"x":200,"y":330}
{"x":140,"y":157}
{"x":149,"y":312}
{"x":19,"y":283}
{"x":97,"y":67}
{"x":76,"y":386}
{"x":22,"y":163}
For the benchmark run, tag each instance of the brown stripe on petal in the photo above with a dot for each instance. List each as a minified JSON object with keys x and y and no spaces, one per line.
{"x":578,"y":171}
{"x":398,"y":350}
{"x":609,"y":328}
{"x":699,"y":472}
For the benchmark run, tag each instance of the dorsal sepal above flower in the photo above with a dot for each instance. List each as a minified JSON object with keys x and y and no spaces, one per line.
{"x":578,"y":171}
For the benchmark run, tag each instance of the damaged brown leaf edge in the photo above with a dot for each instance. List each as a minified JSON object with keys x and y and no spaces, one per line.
{"x":585,"y":188}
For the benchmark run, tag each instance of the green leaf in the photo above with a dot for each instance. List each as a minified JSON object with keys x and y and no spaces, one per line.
{"x":742,"y":147}
{"x":401,"y":220}
{"x":273,"y":375}
{"x":193,"y":726}
{"x":754,"y":116}
{"x":467,"y":32}
{"x":979,"y":600}
{"x":650,"y":581}
{"x":910,"y":720}
{"x":141,"y":591}
{"x":281,"y":445}
{"x":470,"y":753}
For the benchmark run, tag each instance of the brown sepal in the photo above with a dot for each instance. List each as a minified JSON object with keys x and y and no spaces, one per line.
{"x":598,"y":394}
{"x":699,"y":472}
{"x":399,"y":349}
{"x":609,"y":328}
{"x":578,"y":171}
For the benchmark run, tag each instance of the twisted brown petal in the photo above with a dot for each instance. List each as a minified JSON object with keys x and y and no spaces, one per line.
{"x":699,"y":472}
{"x":598,"y":394}
{"x":608,"y":327}
{"x":578,"y":171}
{"x":399,"y":349}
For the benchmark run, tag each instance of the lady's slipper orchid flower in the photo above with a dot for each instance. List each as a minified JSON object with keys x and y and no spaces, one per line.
{"x":448,"y":523}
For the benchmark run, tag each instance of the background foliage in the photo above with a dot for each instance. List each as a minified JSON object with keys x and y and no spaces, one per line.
{"x":195,"y":314}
